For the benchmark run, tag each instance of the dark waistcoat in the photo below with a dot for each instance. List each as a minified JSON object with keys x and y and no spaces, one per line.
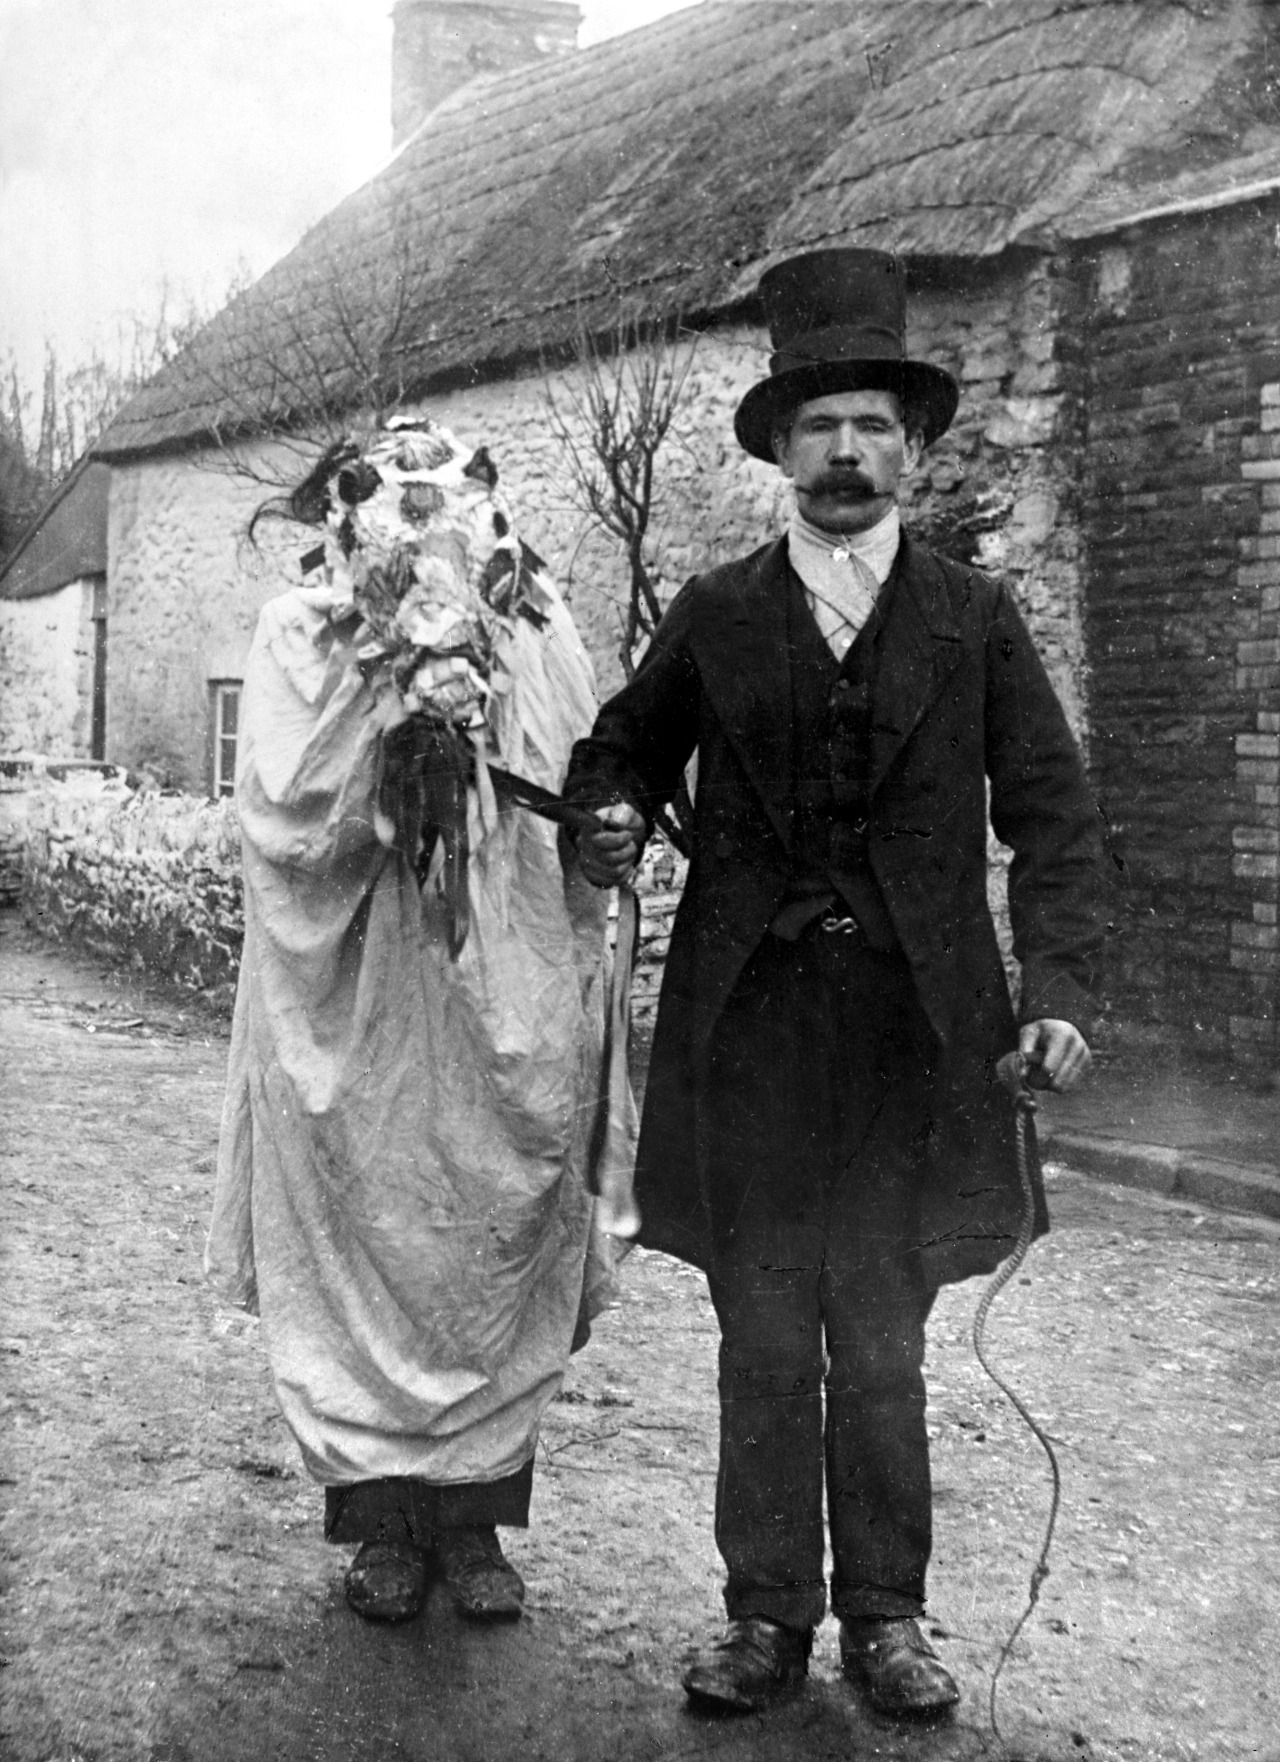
{"x":831,"y":722}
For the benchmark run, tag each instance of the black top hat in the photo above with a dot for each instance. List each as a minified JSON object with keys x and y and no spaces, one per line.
{"x":838,"y":323}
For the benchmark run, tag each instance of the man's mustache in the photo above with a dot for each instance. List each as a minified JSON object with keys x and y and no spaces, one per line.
{"x":842,"y":483}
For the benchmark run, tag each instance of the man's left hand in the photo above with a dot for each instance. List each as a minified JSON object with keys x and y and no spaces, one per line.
{"x":1056,"y":1052}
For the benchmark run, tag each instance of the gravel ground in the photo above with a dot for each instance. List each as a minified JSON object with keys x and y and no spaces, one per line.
{"x":167,"y":1594}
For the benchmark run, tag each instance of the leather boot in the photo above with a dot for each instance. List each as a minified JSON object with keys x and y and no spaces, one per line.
{"x":897,"y":1668}
{"x":485,"y":1585}
{"x":387,"y":1581}
{"x":754,"y":1663}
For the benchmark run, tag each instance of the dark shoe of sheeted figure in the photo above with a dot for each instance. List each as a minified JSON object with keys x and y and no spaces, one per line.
{"x":754,"y":1663}
{"x":897,"y":1669}
{"x":387,"y":1581}
{"x":485,"y":1585}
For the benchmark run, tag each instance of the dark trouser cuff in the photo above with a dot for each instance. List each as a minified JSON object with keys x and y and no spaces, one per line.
{"x":400,"y":1509}
{"x":874,"y":1602}
{"x":800,"y":1606}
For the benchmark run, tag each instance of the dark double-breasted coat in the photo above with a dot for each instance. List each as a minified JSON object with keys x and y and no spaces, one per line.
{"x":961,"y":702}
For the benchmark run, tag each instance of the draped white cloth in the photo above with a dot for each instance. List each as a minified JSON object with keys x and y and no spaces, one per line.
{"x":401,"y":1179}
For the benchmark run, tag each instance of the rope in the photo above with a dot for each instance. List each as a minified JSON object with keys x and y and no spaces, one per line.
{"x":1012,"y":1070}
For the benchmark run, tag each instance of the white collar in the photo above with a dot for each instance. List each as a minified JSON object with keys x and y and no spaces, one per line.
{"x":876,"y":547}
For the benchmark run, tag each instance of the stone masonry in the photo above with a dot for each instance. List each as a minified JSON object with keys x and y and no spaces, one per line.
{"x":185,"y":589}
{"x":1113,"y":460}
{"x":46,"y":672}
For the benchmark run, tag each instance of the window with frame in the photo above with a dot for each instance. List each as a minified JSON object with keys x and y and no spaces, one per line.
{"x":225,"y":695}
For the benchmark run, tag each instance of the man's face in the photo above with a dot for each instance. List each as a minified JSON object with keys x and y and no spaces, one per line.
{"x":846,"y":455}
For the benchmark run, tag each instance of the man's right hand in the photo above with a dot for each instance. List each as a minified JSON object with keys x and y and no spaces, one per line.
{"x":608,"y":856}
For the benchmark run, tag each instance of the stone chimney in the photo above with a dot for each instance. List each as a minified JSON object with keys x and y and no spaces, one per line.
{"x":442,"y":44}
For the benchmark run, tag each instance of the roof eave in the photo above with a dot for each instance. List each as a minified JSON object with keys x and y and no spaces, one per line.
{"x":1102,"y":226}
{"x":69,"y":484}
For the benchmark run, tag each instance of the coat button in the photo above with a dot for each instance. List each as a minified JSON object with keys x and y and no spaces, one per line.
{"x":724,"y":846}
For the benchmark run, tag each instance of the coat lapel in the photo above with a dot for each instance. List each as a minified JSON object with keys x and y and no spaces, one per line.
{"x":743,"y":660}
{"x":920,"y":649}
{"x":742,"y":657}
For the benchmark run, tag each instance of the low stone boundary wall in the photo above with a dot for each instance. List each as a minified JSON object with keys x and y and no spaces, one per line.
{"x":13,"y":833}
{"x":153,"y":879}
{"x":22,"y":773}
{"x":138,"y":876}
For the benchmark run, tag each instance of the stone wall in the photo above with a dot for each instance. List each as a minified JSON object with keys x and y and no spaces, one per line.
{"x":46,"y":673}
{"x":1182,"y":351}
{"x":991,"y":491}
{"x":1113,"y":459}
{"x":185,"y":589}
{"x":24,"y":778}
{"x":152,"y":879}
{"x":14,"y":783}
{"x":1001,"y":487}
{"x":136,"y":876}
{"x":183,"y":596}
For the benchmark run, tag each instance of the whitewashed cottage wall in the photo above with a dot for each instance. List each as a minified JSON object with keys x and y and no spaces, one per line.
{"x":185,"y":589}
{"x":46,"y":673}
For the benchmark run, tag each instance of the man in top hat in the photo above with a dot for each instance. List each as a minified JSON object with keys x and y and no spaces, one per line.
{"x":824,"y":1131}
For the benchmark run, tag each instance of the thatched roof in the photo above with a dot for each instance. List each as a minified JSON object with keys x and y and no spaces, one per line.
{"x":662,"y":169}
{"x":67,"y":539}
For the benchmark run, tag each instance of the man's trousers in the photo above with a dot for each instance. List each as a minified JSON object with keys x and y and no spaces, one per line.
{"x":815,"y":1120}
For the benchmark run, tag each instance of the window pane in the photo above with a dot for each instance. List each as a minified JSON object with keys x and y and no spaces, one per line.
{"x":226,"y":720}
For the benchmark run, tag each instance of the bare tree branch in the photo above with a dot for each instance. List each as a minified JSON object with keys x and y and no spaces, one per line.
{"x":42,"y":438}
{"x":612,"y":416}
{"x":329,"y":356}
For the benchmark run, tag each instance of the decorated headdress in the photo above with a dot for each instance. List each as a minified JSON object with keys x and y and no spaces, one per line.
{"x":423,"y":568}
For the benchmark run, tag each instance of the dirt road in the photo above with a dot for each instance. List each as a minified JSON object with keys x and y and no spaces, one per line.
{"x":167,"y":1595}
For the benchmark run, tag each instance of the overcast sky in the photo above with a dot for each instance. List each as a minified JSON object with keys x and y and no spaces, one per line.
{"x":145,"y":142}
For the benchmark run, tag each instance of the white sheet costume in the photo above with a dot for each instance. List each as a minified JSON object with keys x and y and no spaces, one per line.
{"x":401,"y":1188}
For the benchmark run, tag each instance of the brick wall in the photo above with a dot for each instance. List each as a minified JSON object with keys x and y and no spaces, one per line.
{"x":1255,"y":939}
{"x":1181,"y":344}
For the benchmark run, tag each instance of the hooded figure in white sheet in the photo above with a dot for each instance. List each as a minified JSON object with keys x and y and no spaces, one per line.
{"x":415,"y":1061}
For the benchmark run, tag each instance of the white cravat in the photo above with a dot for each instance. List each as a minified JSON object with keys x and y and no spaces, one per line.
{"x":843,"y":574}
